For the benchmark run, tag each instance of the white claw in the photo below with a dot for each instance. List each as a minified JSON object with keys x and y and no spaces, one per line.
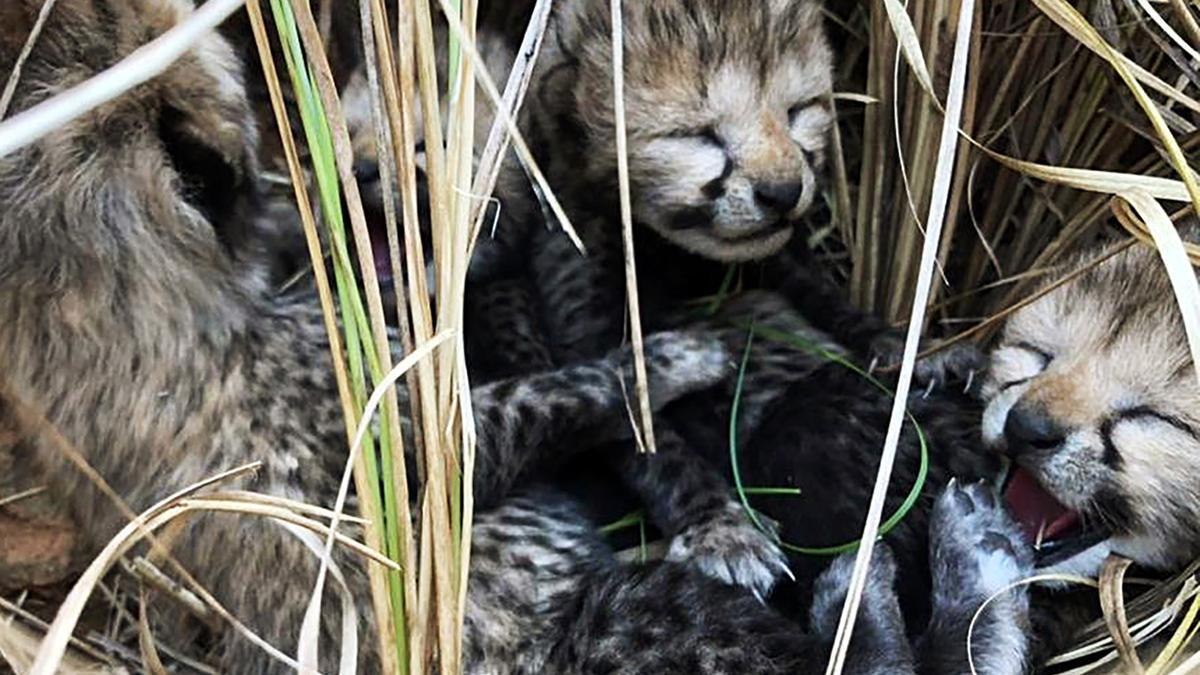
{"x":953,"y":482}
{"x":970,"y":380}
{"x":874,"y":364}
{"x":758,"y":595}
{"x":787,"y":571}
{"x":929,"y":389}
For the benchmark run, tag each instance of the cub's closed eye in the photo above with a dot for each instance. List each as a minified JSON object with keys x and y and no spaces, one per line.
{"x":805,"y":105}
{"x":1045,"y":358}
{"x":706,"y":134}
{"x":1148,"y":413}
{"x":1112,"y":455}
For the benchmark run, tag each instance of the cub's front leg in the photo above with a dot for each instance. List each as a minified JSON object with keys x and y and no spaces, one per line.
{"x":977,"y":555}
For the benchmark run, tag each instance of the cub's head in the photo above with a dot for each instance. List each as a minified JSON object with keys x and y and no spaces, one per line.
{"x":1093,"y":394}
{"x":157,"y":185}
{"x":727,"y":107}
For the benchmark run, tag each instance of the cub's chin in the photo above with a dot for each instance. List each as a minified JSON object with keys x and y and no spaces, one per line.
{"x":707,"y":243}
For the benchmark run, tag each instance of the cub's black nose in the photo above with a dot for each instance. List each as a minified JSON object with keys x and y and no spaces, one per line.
{"x":1031,"y":429}
{"x":778,"y":197}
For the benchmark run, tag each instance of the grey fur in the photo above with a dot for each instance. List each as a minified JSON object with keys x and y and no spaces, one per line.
{"x":976,"y":553}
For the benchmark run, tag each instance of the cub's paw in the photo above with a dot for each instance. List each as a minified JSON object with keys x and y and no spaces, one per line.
{"x":977,"y":548}
{"x":959,"y":362}
{"x":677,"y":363}
{"x":977,"y":556}
{"x":729,"y":547}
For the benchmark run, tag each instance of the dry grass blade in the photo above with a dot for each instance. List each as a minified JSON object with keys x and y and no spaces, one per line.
{"x":143,"y":64}
{"x":148,"y":574}
{"x":396,"y":75}
{"x":644,"y":434}
{"x":18,"y":645}
{"x":937,"y":214}
{"x":908,"y":42}
{"x":23,"y":494}
{"x":216,"y":503}
{"x":1070,"y":20}
{"x":1185,"y":17}
{"x":1166,"y":28}
{"x":311,"y":631}
{"x":383,"y":141}
{"x":22,"y":645}
{"x":150,"y":657}
{"x":417,"y":57}
{"x":1028,"y":581}
{"x":53,"y":647}
{"x":1185,"y":631}
{"x":1091,"y":180}
{"x":1067,"y":17}
{"x":1112,"y":601}
{"x":306,"y":509}
{"x":307,"y":652}
{"x":325,"y":294}
{"x":514,"y":95}
{"x":518,"y":139}
{"x":178,"y":505}
{"x":982,"y":329}
{"x":1179,"y":269}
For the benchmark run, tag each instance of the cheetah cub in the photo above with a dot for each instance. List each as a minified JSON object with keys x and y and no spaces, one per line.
{"x":1092,"y":393}
{"x":728,"y":112}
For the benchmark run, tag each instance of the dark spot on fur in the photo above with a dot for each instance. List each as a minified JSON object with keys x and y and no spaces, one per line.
{"x":715,"y":188}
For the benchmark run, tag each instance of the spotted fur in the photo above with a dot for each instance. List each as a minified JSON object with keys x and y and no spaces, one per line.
{"x":727,"y":106}
{"x":141,"y":327}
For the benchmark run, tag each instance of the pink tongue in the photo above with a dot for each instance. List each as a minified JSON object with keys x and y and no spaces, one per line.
{"x":1035,"y":509}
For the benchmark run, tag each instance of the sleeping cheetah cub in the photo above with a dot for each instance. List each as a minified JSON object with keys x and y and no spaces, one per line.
{"x":1093,"y":394}
{"x":727,"y":106}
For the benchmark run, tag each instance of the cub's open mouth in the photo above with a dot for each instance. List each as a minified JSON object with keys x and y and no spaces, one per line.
{"x":1055,"y":531}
